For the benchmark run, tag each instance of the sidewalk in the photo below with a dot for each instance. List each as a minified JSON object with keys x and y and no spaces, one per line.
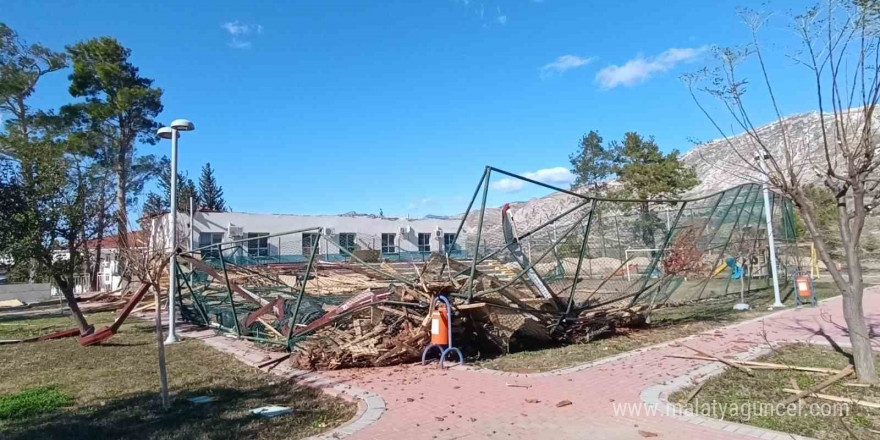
{"x":461,"y":403}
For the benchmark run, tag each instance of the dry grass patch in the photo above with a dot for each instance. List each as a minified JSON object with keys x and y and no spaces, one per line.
{"x":735,"y":388}
{"x":114,"y":387}
{"x":667,"y":324}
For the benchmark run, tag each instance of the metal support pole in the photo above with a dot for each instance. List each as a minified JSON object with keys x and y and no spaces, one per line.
{"x":768,"y":214}
{"x":720,"y":256}
{"x":577,"y":271}
{"x":657,"y":256}
{"x":486,"y":177}
{"x":191,"y":219}
{"x":197,"y":303}
{"x":302,"y":290}
{"x":617,"y":232}
{"x":172,"y":284}
{"x":464,"y":217}
{"x":229,"y":291}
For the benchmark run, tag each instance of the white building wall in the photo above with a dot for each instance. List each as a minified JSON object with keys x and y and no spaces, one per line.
{"x":368,"y":230}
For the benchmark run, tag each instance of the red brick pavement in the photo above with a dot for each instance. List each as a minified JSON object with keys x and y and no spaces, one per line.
{"x":427,"y":403}
{"x":424,"y":402}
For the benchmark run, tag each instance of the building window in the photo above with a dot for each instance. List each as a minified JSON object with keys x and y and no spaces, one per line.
{"x":424,"y":242}
{"x":310,"y":240}
{"x":258,"y":244}
{"x":346,"y":241}
{"x":388,"y":245}
{"x":210,"y":239}
{"x":449,"y":242}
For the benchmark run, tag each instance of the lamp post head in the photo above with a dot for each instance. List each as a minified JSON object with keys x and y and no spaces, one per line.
{"x":166,"y":133}
{"x":182,"y":125}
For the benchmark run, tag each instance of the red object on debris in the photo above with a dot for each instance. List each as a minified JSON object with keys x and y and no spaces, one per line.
{"x":96,"y":337}
{"x":108,"y":332}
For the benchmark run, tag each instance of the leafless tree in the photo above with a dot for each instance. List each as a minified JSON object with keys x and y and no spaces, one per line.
{"x":838,"y":42}
{"x":146,"y":254}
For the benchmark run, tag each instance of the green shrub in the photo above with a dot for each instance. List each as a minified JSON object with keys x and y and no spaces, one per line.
{"x":33,"y":401}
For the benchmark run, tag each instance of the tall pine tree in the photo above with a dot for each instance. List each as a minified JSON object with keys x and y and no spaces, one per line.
{"x":592,"y":163}
{"x":186,"y":189}
{"x":210,"y":194}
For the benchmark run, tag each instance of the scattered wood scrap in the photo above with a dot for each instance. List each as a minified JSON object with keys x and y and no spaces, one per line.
{"x":821,"y":386}
{"x":865,"y":403}
{"x":761,"y":365}
{"x":694,"y":392}
{"x":729,"y":363}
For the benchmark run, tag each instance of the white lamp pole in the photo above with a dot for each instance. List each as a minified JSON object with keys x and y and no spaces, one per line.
{"x":768,"y":215}
{"x":173,"y":133}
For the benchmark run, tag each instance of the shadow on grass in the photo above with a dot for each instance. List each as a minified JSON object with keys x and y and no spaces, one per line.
{"x":34,"y":317}
{"x":140,"y":416}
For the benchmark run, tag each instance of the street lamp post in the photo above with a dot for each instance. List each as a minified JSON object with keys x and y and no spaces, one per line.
{"x":173,"y":132}
{"x":768,"y":216}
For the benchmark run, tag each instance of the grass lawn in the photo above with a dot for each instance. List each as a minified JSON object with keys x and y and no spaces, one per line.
{"x":734,"y":387}
{"x":57,"y":389}
{"x":666,"y":324}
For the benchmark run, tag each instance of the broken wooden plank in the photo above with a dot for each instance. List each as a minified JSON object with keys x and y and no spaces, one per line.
{"x":865,"y":403}
{"x":270,"y":328}
{"x":821,"y":386}
{"x":742,"y":368}
{"x":762,"y":365}
{"x":694,"y":392}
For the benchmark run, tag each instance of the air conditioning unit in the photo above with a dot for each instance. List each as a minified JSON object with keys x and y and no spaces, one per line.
{"x":328,"y":231}
{"x":438,"y":232}
{"x":406,"y":230}
{"x":235,"y":231}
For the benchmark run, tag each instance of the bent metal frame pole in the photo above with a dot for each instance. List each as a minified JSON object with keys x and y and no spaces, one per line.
{"x":470,"y":291}
{"x":768,"y":217}
{"x":172,"y":266}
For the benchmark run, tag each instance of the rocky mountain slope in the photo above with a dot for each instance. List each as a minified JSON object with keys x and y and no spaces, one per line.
{"x":718,"y":167}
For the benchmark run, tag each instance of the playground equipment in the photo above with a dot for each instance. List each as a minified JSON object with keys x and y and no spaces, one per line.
{"x":730,"y":263}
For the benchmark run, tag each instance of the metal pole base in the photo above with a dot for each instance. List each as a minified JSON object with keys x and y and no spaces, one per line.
{"x":172,"y":339}
{"x":443,"y":353}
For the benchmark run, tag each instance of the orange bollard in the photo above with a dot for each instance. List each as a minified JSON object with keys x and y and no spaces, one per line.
{"x":439,"y":326}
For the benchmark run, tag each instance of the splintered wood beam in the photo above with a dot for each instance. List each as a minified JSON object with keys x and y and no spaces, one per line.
{"x":821,"y":386}
{"x":742,"y":368}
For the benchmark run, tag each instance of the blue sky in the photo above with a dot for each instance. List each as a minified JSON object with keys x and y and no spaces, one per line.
{"x":332,"y":106}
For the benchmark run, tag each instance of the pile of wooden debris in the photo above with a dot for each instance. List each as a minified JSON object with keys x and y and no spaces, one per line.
{"x":389,"y":326}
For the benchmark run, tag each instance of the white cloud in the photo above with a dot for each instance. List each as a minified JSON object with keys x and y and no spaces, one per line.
{"x":552,"y":176}
{"x":640,"y":69}
{"x":239,"y":44}
{"x":501,"y":18}
{"x":564,"y":64}
{"x":238,"y":31}
{"x":236,"y":28}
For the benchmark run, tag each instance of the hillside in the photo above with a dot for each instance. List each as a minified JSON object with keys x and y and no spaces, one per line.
{"x":717,"y":166}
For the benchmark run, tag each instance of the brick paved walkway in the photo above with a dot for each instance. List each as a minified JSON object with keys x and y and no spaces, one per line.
{"x":427,"y":403}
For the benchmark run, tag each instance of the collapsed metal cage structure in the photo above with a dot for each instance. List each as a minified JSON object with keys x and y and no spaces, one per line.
{"x":552,"y":261}
{"x":590,"y":251}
